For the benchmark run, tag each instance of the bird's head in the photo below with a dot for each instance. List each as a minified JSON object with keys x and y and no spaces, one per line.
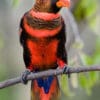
{"x":52,"y":6}
{"x":56,"y":5}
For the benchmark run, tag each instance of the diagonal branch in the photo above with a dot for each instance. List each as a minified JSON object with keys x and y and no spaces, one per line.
{"x":69,"y":70}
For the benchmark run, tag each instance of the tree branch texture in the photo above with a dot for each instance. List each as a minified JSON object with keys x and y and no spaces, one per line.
{"x":32,"y":76}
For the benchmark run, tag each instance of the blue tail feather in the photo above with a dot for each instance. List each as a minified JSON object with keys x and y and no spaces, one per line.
{"x":45,"y":83}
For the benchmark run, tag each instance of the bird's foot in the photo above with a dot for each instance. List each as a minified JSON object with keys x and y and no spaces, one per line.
{"x":24,"y":76}
{"x":66,"y":70}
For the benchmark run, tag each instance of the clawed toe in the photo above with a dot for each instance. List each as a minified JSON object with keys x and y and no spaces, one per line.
{"x":66,"y":69}
{"x":24,"y":76}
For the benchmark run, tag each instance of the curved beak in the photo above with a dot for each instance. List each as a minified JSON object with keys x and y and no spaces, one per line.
{"x":63,"y":3}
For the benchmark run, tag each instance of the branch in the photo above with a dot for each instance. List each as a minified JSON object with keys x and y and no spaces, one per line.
{"x":32,"y":76}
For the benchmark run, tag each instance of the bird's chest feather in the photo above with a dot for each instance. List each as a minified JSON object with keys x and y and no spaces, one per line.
{"x":43,"y":51}
{"x":43,"y":44}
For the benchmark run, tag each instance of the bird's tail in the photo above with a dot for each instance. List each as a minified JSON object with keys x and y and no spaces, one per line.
{"x":46,"y":88}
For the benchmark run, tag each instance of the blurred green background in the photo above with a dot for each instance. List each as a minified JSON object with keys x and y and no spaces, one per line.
{"x":80,"y":86}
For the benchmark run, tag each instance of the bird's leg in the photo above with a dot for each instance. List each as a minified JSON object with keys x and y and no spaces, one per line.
{"x":66,"y":69}
{"x":63,"y":66}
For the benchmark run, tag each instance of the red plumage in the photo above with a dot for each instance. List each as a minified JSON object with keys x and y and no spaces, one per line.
{"x":42,"y":35}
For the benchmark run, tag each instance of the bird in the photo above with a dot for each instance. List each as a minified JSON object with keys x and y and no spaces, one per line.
{"x":43,"y":38}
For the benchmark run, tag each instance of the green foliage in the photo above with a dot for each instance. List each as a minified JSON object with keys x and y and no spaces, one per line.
{"x":88,"y":80}
{"x":85,"y":9}
{"x":15,"y":3}
{"x":95,"y":57}
{"x":85,"y":80}
{"x":1,"y":42}
{"x":64,"y":85}
{"x":5,"y":94}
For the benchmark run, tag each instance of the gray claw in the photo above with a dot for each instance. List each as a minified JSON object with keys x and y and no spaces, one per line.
{"x":24,"y":76}
{"x":66,"y":69}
